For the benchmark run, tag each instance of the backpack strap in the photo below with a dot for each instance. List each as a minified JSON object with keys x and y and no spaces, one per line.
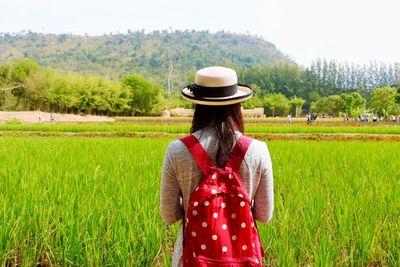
{"x":198,"y":153}
{"x":238,"y":152}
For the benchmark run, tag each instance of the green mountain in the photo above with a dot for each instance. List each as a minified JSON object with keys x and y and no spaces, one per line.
{"x":159,"y":56}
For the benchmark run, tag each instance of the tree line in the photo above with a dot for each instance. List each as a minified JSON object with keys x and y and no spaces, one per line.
{"x":384,"y":101}
{"x":280,"y":88}
{"x":326,"y":87}
{"x":48,"y":90}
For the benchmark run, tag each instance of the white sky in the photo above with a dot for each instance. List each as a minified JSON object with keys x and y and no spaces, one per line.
{"x":356,"y":31}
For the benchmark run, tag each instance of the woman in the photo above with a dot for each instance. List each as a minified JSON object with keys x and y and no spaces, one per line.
{"x":217,"y":124}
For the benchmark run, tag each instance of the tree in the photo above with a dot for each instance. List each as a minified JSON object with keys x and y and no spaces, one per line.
{"x":22,"y":69}
{"x":37,"y":90}
{"x":359,"y":103}
{"x":63,"y":95}
{"x":276,"y":105}
{"x":26,"y":73}
{"x":254,"y":102}
{"x":282,"y":78}
{"x":383,"y":101}
{"x":297,"y":103}
{"x":143,"y":93}
{"x":352,"y":104}
{"x":329,"y":105}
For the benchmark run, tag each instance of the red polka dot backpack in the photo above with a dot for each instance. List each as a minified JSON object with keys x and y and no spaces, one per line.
{"x":219,"y":229}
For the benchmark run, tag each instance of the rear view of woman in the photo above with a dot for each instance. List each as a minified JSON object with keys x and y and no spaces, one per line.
{"x":205,"y":173}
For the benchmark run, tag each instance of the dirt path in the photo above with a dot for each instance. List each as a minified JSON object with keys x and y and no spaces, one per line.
{"x":33,"y":117}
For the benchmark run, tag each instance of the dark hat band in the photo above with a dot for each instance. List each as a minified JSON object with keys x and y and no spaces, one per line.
{"x":203,"y":91}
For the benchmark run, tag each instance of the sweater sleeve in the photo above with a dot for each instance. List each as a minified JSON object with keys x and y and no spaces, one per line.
{"x":170,"y":194}
{"x":264,"y":197}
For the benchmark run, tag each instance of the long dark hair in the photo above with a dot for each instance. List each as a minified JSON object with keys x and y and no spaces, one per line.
{"x":227,"y":120}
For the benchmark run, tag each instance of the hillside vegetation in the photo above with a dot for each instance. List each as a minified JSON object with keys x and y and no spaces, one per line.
{"x":153,"y":55}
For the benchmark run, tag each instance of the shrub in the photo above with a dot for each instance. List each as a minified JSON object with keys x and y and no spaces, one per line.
{"x":13,"y":121}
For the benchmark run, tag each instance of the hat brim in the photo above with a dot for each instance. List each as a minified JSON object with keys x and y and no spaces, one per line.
{"x":243,"y":93}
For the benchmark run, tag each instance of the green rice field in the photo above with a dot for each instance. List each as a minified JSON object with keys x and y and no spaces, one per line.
{"x":95,"y":201}
{"x":185,"y":128}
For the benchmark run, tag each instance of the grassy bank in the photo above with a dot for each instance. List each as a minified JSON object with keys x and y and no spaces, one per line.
{"x":185,"y":128}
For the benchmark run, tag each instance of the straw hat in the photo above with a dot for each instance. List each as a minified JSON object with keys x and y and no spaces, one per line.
{"x":216,"y":86}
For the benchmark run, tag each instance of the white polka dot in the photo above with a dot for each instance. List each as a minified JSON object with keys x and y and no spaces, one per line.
{"x":232,"y":195}
{"x":233,"y":215}
{"x":243,"y":225}
{"x":244,"y":247}
{"x":195,"y":203}
{"x":224,"y":249}
{"x":194,"y":255}
{"x":213,"y":176}
{"x":215,"y":215}
{"x":234,"y":237}
{"x":206,"y":203}
{"x":240,"y":195}
{"x":204,"y":224}
{"x":256,"y":260}
{"x":223,"y":205}
{"x":242,"y":204}
{"x":214,"y":237}
{"x":252,"y":225}
{"x":254,"y":245}
{"x":193,"y":234}
{"x":213,"y":191}
{"x":230,"y":176}
{"x":194,"y":212}
{"x":187,"y":220}
{"x":197,"y":188}
{"x":203,"y":247}
{"x":224,"y":227}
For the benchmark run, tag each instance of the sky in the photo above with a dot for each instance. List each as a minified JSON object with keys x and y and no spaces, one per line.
{"x":354,"y":31}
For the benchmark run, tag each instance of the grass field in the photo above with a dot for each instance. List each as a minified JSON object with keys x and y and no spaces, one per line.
{"x":185,"y":128}
{"x":94,"y":202}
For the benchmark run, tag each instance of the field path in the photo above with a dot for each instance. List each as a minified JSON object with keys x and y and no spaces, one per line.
{"x":270,"y":137}
{"x":33,"y":117}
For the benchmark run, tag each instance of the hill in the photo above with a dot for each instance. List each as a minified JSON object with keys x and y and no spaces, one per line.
{"x":154,"y":55}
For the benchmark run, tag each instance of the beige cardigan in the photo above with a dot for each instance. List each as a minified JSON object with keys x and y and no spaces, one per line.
{"x":180,"y":176}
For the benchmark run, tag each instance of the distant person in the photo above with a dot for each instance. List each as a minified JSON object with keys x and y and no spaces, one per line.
{"x":289,"y":119}
{"x":215,"y":154}
{"x":52,"y":117}
{"x":393,"y":119}
{"x":314,"y":117}
{"x":40,"y":118}
{"x":308,"y":118}
{"x":398,"y":119}
{"x":374,"y":118}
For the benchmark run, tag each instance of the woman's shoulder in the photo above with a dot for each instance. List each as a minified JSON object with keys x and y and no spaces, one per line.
{"x":258,"y":151}
{"x":257,"y":145}
{"x":176,"y":147}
